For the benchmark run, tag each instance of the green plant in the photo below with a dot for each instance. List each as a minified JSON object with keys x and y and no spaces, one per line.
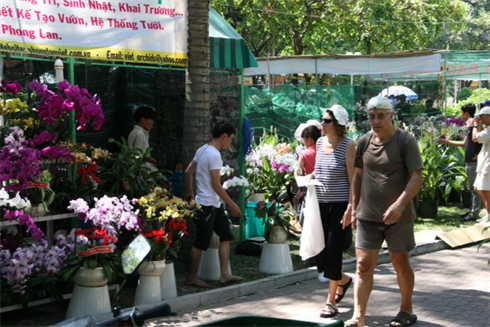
{"x":441,"y":170}
{"x":128,"y":173}
{"x":274,"y":215}
{"x":484,"y":242}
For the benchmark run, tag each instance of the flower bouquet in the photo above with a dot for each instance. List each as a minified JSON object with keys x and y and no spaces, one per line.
{"x":164,"y":218}
{"x":95,"y":245}
{"x":270,"y":165}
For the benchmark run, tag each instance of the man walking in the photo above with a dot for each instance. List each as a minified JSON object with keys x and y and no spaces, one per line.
{"x":206,"y":165}
{"x":387,"y":176}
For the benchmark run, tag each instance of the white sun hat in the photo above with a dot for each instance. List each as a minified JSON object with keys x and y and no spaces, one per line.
{"x":301,"y":127}
{"x":483,"y":111}
{"x":340,"y":113}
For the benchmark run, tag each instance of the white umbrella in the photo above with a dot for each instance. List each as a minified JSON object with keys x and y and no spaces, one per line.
{"x":396,"y":90}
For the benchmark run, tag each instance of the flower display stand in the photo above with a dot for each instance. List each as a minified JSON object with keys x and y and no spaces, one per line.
{"x":91,"y":294}
{"x":209,"y":266}
{"x":275,"y":258}
{"x":168,"y":284}
{"x":149,"y":289}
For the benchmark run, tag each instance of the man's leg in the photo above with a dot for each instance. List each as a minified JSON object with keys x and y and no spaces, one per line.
{"x":224,"y":263}
{"x":363,"y":285}
{"x":475,"y":198}
{"x":406,"y":279}
{"x":194,"y":259}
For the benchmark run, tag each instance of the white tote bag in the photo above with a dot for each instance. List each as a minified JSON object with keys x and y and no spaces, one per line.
{"x":312,"y":239}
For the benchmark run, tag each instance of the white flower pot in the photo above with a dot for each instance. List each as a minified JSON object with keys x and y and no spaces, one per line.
{"x":277,"y":235}
{"x":275,"y":259}
{"x":257,"y":197}
{"x":149,"y":289}
{"x":168,"y":285}
{"x":91,"y":294}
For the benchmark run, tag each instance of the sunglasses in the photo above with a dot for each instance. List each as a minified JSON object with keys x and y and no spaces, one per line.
{"x":327,"y":121}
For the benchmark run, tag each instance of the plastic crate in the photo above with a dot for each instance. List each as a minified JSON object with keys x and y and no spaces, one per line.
{"x":254,"y":321}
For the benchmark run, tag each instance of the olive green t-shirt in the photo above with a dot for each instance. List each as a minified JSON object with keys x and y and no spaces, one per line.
{"x":385,"y":175}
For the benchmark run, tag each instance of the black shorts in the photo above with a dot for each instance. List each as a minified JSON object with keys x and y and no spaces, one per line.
{"x":211,"y":219}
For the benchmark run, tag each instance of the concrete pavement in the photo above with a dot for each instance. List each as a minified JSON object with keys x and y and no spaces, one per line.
{"x":452,"y":289}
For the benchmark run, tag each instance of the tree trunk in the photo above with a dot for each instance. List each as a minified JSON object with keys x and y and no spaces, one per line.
{"x":197,"y":116}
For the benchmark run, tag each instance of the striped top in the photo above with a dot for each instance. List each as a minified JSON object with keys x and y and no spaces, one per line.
{"x":331,"y":171}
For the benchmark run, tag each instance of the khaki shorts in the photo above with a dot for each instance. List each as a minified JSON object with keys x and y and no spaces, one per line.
{"x":399,"y":237}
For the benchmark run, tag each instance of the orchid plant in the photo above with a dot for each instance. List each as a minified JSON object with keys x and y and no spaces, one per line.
{"x":95,"y":246}
{"x":270,"y":165}
{"x":164,"y":219}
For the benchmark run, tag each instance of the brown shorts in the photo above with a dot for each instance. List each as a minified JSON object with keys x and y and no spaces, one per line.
{"x":399,"y":237}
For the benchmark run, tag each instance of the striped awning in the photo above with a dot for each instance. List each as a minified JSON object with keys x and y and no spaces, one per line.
{"x":227,"y":47}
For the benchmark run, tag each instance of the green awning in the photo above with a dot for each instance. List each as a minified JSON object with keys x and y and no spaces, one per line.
{"x":227,"y":47}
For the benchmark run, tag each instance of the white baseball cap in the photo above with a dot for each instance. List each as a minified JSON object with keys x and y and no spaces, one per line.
{"x":340,"y":114}
{"x":483,"y":111}
{"x":301,"y":127}
{"x":379,"y":102}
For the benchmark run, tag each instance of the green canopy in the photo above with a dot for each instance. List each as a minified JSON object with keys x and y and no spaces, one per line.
{"x":227,"y":47}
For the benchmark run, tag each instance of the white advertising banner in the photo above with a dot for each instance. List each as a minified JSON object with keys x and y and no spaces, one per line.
{"x":136,"y":31}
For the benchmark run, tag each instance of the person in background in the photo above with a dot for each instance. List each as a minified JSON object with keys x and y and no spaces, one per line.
{"x":484,"y":104}
{"x":471,"y":150}
{"x":140,"y":137}
{"x":334,"y":169}
{"x":385,"y":182}
{"x":206,"y":166}
{"x":307,"y":157}
{"x":482,"y":135}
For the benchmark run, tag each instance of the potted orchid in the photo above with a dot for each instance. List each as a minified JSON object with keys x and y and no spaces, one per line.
{"x":270,"y":165}
{"x":29,"y":269}
{"x":164,"y":219}
{"x":95,"y":245}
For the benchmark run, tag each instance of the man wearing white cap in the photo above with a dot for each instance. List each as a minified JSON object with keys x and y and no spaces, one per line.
{"x":387,"y":176}
{"x":480,"y":135}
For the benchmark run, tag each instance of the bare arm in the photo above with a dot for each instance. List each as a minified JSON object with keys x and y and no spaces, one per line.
{"x":216,"y":180}
{"x":476,"y":130}
{"x":355,"y":194}
{"x":394,"y":212}
{"x":350,"y":155}
{"x":451,"y":142}
{"x":189,"y":179}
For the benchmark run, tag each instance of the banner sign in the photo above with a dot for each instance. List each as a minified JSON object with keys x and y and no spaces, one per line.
{"x":144,"y":31}
{"x":454,"y":70}
{"x":96,"y":250}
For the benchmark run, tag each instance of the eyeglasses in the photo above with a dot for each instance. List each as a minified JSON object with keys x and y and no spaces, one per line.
{"x":327,"y":121}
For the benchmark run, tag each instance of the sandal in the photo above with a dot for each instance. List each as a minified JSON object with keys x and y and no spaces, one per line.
{"x":345,"y":287}
{"x":329,"y":311}
{"x":351,"y":323}
{"x":404,"y":319}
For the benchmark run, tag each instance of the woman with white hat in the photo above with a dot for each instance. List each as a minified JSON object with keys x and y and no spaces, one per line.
{"x":334,"y":168}
{"x":482,"y":135}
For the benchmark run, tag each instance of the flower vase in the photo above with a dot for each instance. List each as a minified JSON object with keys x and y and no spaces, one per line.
{"x":149,"y":289}
{"x":277,"y":235}
{"x":168,"y":285}
{"x":91,"y":294}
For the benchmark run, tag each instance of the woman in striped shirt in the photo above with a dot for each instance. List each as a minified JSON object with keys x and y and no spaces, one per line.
{"x":334,"y":168}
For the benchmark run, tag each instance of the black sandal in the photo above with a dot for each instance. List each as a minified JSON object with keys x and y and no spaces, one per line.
{"x":329,"y":311}
{"x":345,"y":287}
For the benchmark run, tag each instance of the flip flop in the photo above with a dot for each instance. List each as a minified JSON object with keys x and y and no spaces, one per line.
{"x":329,"y":311}
{"x":404,"y":319}
{"x":345,"y":287}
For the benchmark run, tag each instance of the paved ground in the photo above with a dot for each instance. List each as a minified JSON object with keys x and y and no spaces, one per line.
{"x":452,"y":289}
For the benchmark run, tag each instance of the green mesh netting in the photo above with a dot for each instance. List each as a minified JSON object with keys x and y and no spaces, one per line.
{"x":287,"y":106}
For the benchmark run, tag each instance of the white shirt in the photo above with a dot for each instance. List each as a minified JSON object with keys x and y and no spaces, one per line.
{"x":139,"y":138}
{"x":208,"y":158}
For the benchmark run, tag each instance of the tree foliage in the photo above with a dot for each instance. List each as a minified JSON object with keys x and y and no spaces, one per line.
{"x":297,"y":27}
